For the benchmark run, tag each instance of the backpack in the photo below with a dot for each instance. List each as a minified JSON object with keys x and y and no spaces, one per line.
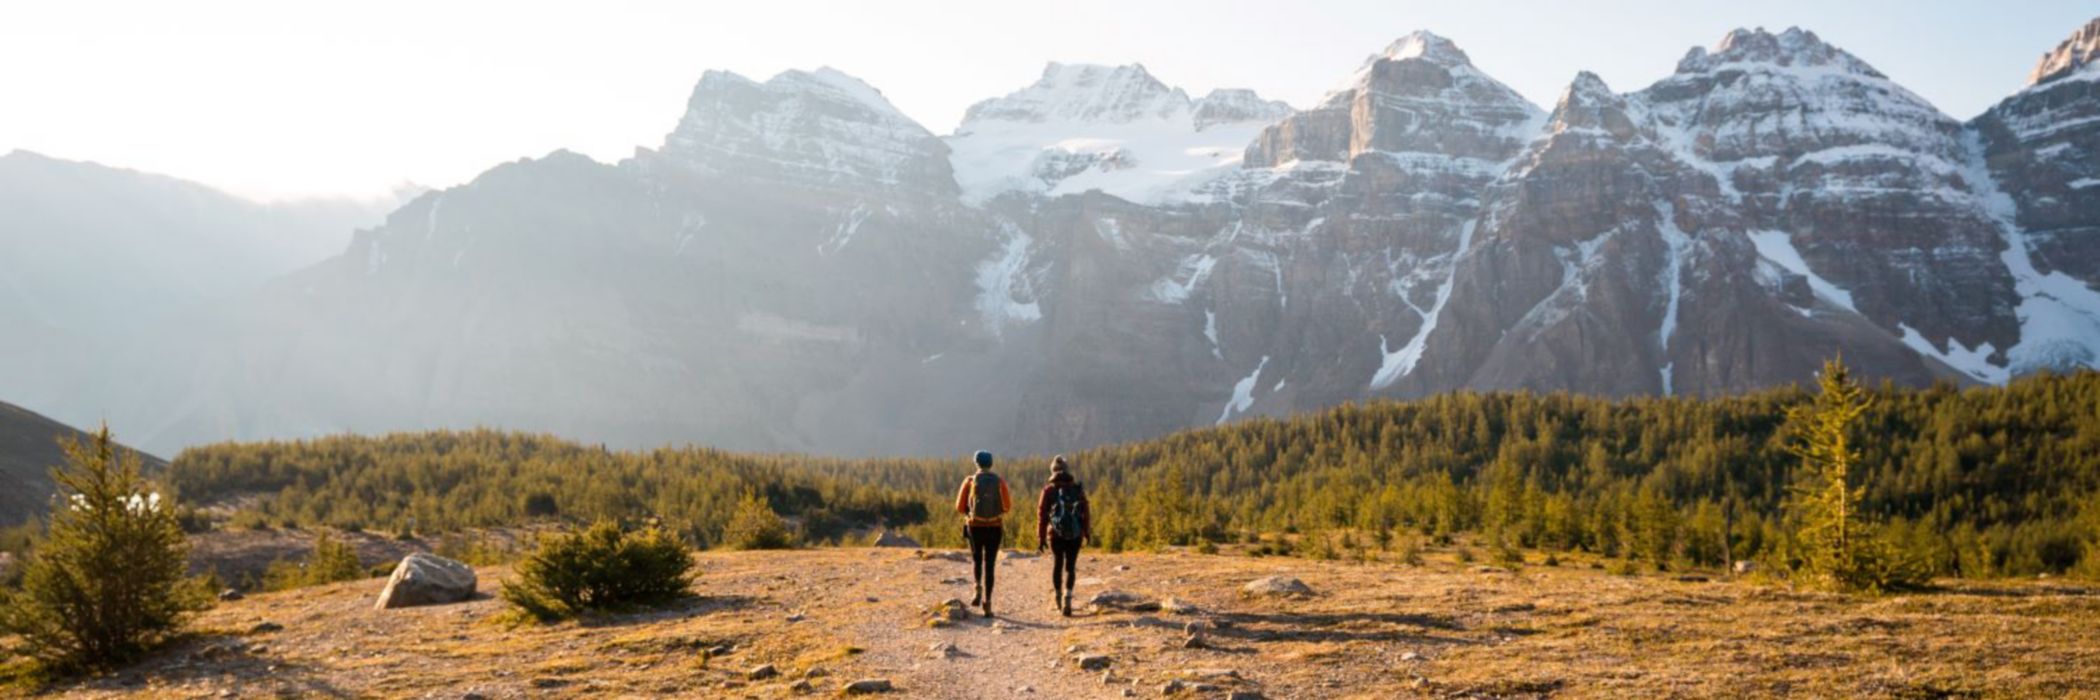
{"x":1065,"y":515}
{"x":984,"y":496}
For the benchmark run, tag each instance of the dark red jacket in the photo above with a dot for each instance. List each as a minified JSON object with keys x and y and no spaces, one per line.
{"x":1049,"y":498}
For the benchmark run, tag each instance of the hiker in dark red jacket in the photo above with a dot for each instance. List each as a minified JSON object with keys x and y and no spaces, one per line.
{"x":1063,"y":522}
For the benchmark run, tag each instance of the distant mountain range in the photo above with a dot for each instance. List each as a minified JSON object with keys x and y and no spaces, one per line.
{"x":1100,"y":257}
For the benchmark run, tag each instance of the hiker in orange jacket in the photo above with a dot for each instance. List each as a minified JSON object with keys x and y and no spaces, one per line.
{"x":984,"y":502}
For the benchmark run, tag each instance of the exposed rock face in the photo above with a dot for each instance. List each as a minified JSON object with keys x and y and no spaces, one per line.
{"x":2074,"y":55}
{"x":426,"y":579}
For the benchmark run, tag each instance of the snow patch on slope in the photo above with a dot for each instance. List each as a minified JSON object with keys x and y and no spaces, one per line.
{"x":1778,"y":247}
{"x":1399,"y":363}
{"x":1243,"y":393}
{"x":2059,"y":315}
{"x":1113,"y":129}
{"x":1002,"y":283}
{"x":1673,"y":285}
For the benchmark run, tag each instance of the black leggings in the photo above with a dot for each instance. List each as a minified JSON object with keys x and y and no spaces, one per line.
{"x":1064,"y":563}
{"x":984,"y":557}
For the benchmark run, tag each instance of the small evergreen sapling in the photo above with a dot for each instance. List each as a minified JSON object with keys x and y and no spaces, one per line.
{"x":107,"y":581}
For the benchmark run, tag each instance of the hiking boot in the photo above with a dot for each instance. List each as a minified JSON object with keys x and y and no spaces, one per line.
{"x":977,"y":597}
{"x":1067,"y":605}
{"x":1057,"y":601}
{"x":988,"y":610}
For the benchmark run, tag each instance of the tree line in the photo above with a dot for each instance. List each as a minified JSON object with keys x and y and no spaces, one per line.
{"x":1979,"y":482}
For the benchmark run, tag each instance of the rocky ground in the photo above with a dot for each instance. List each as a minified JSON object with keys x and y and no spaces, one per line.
{"x":788,"y":624}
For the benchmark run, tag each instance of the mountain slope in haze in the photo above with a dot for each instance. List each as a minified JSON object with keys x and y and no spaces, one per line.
{"x":799,"y":266}
{"x":95,"y":258}
{"x":28,"y":452}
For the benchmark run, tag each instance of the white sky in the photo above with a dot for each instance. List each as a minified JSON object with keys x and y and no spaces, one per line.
{"x":275,"y":99}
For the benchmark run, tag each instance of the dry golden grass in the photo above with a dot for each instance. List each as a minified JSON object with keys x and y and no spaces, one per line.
{"x":1373,"y":630}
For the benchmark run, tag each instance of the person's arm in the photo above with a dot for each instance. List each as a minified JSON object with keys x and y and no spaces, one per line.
{"x":962,"y":498}
{"x":1006,"y":499}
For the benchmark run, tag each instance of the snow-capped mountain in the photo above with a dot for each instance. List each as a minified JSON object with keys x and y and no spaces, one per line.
{"x":1115,"y":129}
{"x":1100,"y":257}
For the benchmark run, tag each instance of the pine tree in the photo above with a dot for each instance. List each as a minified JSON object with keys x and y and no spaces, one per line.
{"x":1839,"y":548}
{"x":107,"y":581}
{"x":756,"y":526}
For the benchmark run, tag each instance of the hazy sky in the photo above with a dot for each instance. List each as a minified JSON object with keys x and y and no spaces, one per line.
{"x":278,"y":98}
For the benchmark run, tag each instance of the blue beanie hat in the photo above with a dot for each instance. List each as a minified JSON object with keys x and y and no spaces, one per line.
{"x":984,"y":459}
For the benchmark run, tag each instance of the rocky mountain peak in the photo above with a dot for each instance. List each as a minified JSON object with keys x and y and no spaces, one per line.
{"x":1236,"y":105}
{"x":820,"y":127}
{"x":1085,"y":92}
{"x":2074,"y":55}
{"x":1589,"y":103}
{"x":1426,"y":46}
{"x":1793,"y":48}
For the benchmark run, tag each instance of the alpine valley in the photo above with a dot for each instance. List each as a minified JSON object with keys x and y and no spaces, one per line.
{"x":1101,"y":257}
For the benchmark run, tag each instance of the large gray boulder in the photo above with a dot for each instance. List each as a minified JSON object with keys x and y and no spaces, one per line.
{"x":893,"y":538}
{"x":427,"y":579}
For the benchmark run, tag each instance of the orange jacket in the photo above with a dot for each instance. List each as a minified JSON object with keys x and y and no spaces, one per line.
{"x":962,"y":504}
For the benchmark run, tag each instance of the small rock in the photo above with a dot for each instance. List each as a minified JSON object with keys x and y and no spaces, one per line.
{"x":797,"y":617}
{"x":1195,"y":627}
{"x":1276,"y":587}
{"x":1195,"y":641}
{"x":1173,"y":687}
{"x":1115,"y":600}
{"x":815,"y":672}
{"x":1485,"y":569}
{"x":1245,"y":695}
{"x":1178,"y":606}
{"x":1093,"y":662}
{"x":801,"y":686}
{"x":231,"y":594}
{"x":1745,"y":566}
{"x":1128,"y":693}
{"x":1410,"y":656}
{"x":549,"y":682}
{"x":1122,"y":567}
{"x":943,"y":650}
{"x":1027,"y":689}
{"x":1108,"y":677}
{"x":1691,"y":578}
{"x":265,"y":627}
{"x":868,"y":685}
{"x":762,"y":672}
{"x":722,"y":650}
{"x":733,"y":684}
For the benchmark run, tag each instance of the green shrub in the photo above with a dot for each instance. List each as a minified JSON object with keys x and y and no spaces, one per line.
{"x":756,"y":526}
{"x":604,"y":568}
{"x":1411,"y":551}
{"x":107,"y":582}
{"x":332,"y":561}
